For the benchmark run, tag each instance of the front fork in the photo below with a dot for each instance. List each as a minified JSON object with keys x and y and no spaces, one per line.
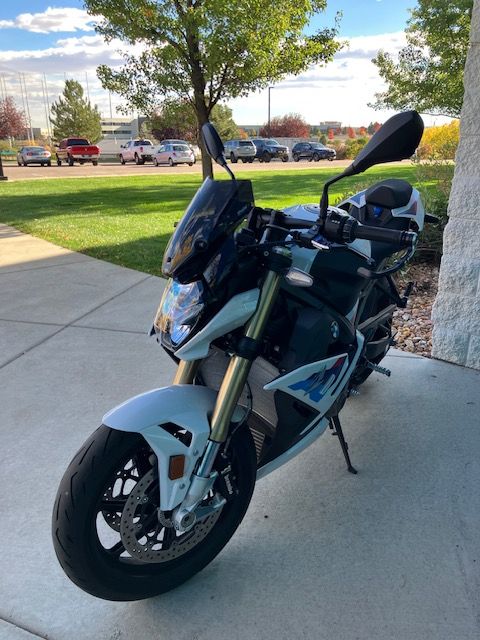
{"x":231,"y":387}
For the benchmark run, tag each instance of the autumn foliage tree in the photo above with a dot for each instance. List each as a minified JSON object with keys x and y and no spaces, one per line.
{"x":351,"y":132}
{"x":13,"y":122}
{"x":440,"y":143}
{"x":330,"y":134}
{"x":291,"y":125}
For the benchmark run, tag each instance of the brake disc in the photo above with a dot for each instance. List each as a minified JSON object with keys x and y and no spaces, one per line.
{"x":148,"y":539}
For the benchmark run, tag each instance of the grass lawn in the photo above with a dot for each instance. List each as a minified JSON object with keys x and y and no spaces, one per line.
{"x":128,"y":220}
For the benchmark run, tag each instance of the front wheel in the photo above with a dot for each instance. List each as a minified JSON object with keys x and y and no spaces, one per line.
{"x":107,"y":533}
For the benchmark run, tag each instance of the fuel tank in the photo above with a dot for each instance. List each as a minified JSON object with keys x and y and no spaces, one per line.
{"x":334,"y":269}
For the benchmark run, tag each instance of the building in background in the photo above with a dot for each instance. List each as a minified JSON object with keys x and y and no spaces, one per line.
{"x":329,"y":124}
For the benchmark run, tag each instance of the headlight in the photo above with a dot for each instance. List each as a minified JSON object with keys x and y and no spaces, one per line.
{"x":180,"y":309}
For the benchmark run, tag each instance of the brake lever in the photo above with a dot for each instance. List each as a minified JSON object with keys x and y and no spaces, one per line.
{"x":376,"y":275}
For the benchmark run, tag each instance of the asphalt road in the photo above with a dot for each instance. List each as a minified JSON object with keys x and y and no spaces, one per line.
{"x":115,"y":169}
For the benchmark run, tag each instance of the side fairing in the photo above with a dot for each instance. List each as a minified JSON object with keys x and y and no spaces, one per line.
{"x":318,"y":384}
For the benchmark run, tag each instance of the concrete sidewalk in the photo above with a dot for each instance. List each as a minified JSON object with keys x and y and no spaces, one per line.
{"x":392,"y":553}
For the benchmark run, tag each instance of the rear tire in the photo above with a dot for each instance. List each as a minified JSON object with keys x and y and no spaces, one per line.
{"x":266,"y":157}
{"x":316,"y":157}
{"x":122,"y":159}
{"x":83,"y":493}
{"x":59,"y":162}
{"x":233,"y":159}
{"x":71,"y":161}
{"x":95,"y":163}
{"x":295,"y":157}
{"x":171,"y":162}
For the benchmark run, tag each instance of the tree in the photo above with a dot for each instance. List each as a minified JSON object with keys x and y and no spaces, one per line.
{"x":290,"y":126}
{"x":351,"y":132}
{"x":440,"y":143}
{"x":176,"y":119}
{"x":429,"y":73}
{"x":75,"y":116}
{"x":204,"y":51}
{"x":330,"y":134}
{"x":13,"y":122}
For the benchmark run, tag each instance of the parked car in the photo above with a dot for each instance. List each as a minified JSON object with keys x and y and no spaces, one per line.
{"x":267,"y":149}
{"x":243,"y":150}
{"x":313,"y":151}
{"x":34,"y":155}
{"x":173,"y":154}
{"x":138,"y":151}
{"x":80,"y":150}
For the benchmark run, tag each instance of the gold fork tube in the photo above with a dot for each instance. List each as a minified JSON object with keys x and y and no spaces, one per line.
{"x":239,"y":368}
{"x":186,"y":371}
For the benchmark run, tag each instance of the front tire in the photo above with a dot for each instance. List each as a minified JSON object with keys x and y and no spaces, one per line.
{"x":87,"y":493}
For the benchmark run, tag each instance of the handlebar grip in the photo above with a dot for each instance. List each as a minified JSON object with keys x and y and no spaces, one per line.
{"x":401,"y":239}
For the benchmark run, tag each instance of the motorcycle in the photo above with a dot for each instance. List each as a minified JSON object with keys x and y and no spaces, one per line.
{"x":274,"y":318}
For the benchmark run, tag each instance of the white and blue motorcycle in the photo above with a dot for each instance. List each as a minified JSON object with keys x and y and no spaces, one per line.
{"x":274,"y":318}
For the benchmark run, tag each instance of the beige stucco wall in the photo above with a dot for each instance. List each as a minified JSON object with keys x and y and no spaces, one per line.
{"x":456,"y":312}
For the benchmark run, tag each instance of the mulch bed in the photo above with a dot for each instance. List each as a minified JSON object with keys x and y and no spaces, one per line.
{"x":413,"y":324}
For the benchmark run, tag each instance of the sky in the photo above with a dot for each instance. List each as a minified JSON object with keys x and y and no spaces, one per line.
{"x":57,"y":38}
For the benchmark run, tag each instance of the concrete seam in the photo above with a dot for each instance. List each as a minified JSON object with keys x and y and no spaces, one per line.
{"x":37,"y":344}
{"x":45,"y":324}
{"x":84,"y":326}
{"x":24,"y":628}
{"x":47,"y":266}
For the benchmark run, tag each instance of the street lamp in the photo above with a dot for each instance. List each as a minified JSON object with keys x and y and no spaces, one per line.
{"x":268,"y":125}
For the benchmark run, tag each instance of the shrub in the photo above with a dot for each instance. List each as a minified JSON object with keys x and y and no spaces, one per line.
{"x":440,"y":143}
{"x":434,"y":181}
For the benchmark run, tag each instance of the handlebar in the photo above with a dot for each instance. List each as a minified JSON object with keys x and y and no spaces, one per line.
{"x":402,"y":239}
{"x":338,"y":226}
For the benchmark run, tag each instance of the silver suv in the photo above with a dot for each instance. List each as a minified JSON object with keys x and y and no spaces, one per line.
{"x":243,"y":150}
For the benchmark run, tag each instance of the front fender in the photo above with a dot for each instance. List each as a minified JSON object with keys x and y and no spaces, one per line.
{"x":187,"y":406}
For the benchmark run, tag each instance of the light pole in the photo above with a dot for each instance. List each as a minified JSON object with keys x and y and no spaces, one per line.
{"x":268,"y":122}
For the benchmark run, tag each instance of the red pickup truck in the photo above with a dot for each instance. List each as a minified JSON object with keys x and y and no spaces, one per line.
{"x":80,"y":150}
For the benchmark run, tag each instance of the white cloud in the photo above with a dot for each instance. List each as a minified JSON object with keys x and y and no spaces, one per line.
{"x":339,"y":91}
{"x":51,"y":20}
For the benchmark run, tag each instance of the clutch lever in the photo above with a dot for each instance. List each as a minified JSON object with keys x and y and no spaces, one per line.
{"x":376,"y":275}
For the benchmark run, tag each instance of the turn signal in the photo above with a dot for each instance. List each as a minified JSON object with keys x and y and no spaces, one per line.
{"x":298,"y":278}
{"x":176,"y":467}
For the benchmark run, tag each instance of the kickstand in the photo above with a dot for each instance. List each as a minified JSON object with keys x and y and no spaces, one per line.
{"x":337,"y":431}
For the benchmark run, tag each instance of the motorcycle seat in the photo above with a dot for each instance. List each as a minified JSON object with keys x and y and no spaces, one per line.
{"x":390,"y":194}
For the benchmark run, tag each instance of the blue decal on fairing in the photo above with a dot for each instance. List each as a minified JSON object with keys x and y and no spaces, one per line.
{"x":317,"y":385}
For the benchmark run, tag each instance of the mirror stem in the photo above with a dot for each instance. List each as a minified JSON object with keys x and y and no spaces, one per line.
{"x":349,"y":171}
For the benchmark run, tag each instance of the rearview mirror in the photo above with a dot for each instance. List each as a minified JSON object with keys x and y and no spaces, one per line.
{"x":213,"y":144}
{"x":396,"y":140}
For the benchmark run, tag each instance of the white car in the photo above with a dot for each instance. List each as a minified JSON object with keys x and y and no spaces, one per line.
{"x":173,"y":154}
{"x":137,"y":151}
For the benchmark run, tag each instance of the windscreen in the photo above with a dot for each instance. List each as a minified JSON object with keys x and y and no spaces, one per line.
{"x":216,"y":210}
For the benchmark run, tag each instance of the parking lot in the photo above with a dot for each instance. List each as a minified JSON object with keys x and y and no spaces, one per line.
{"x":116,"y":169}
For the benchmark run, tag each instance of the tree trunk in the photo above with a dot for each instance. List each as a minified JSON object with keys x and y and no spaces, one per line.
{"x":202,"y":117}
